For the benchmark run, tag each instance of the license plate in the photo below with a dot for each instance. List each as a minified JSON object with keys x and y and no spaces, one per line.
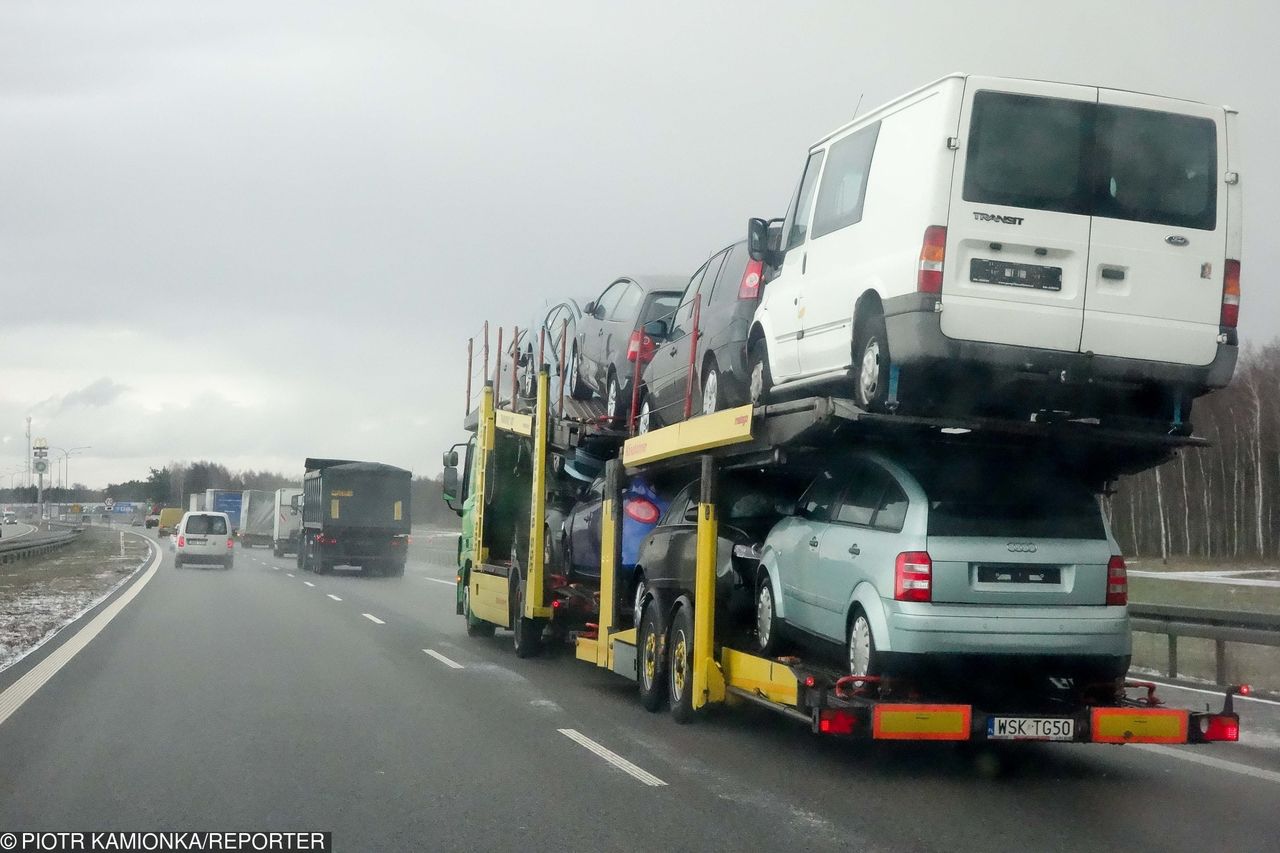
{"x":196,"y":541}
{"x":1030,"y":276}
{"x":1019,"y":574}
{"x":1030,"y":728}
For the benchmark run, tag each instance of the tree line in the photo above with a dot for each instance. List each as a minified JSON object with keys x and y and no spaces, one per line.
{"x":1220,"y":502}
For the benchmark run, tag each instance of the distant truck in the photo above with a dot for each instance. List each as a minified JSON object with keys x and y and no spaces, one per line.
{"x":355,"y":514}
{"x":170,"y":516}
{"x":286,"y":526}
{"x":224,"y":500}
{"x":257,"y":512}
{"x":195,"y":503}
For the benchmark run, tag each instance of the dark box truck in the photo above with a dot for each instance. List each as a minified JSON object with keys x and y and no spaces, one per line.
{"x":354,"y":514}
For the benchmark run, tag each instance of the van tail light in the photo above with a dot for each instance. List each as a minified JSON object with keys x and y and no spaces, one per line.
{"x":750,"y":286}
{"x":642,"y":510}
{"x":1230,"y":295}
{"x":182,"y":541}
{"x":913,"y":577}
{"x":932,"y":254}
{"x":1117,"y":582}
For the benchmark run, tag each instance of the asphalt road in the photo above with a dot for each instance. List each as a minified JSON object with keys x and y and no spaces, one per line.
{"x":265,"y":698}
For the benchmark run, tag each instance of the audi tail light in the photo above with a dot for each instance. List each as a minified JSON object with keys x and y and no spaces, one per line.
{"x":913,"y":577}
{"x":642,"y":510}
{"x":1117,"y":582}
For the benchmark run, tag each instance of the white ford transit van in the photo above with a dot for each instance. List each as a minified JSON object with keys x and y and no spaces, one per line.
{"x":1022,"y":245}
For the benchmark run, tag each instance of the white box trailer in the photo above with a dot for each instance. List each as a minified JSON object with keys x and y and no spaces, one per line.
{"x":257,"y":512}
{"x":287,"y":522}
{"x":195,"y":503}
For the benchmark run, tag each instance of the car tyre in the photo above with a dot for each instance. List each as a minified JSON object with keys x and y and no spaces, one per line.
{"x":761,"y":380}
{"x":228,"y":563}
{"x":712,"y":395}
{"x":476,"y":627}
{"x":177,"y":562}
{"x":768,"y":626}
{"x":651,"y":670}
{"x":680,"y":670}
{"x":578,"y":387}
{"x":646,"y":419}
{"x":862,"y":656}
{"x":871,"y":364}
{"x":637,"y":601}
{"x":613,"y":398}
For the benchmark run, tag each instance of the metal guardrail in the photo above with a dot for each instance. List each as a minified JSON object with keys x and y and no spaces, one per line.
{"x":13,"y":551}
{"x":1221,"y":626}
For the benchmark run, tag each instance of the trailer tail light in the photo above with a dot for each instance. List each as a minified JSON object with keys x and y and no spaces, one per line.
{"x":640,"y":346}
{"x":182,"y":541}
{"x":913,"y":577}
{"x":932,"y":254}
{"x":836,"y":721}
{"x":642,"y":510}
{"x":1117,"y":582}
{"x":1243,"y":690}
{"x":750,"y":286}
{"x":230,"y":542}
{"x":326,"y":540}
{"x":1220,"y":727}
{"x":400,"y":540}
{"x":1230,"y":294}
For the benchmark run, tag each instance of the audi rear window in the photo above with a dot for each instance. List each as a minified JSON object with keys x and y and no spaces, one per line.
{"x":206,"y":525}
{"x":1093,"y":159}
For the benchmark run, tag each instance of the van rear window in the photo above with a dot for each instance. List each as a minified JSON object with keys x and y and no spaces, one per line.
{"x":206,"y":525}
{"x":1093,"y":159}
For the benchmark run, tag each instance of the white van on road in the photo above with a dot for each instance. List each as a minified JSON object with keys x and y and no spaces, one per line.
{"x":1052,"y":246}
{"x":204,"y":537}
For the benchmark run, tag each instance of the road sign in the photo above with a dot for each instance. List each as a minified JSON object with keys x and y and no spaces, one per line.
{"x":110,"y":502}
{"x":40,"y":466}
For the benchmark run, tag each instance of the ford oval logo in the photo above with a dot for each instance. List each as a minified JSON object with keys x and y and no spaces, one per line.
{"x":1176,"y":240}
{"x":1022,"y":547}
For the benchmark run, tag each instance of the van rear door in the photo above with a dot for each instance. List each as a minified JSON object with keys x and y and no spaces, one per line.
{"x":1159,"y":230}
{"x":1018,"y":230}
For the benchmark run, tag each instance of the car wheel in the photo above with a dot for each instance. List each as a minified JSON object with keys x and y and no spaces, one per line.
{"x":613,"y":398}
{"x":767,"y":623}
{"x":872,"y":364}
{"x":637,"y":601}
{"x":711,"y":399}
{"x":177,"y":562}
{"x":651,"y":668}
{"x":229,"y":563}
{"x":645,"y":420}
{"x":578,"y":388}
{"x":761,"y":379}
{"x":863,"y":659}
{"x":476,"y":627}
{"x":680,"y":671}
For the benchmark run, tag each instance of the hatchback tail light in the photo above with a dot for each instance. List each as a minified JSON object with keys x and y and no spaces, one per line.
{"x":1231,"y":295}
{"x":642,"y":510}
{"x":913,"y":577}
{"x":182,"y":541}
{"x":640,"y":346}
{"x":1117,"y":582}
{"x":932,"y":253}
{"x":750,"y":286}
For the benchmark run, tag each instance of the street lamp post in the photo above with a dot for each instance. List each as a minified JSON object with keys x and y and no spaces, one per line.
{"x":65,"y":466}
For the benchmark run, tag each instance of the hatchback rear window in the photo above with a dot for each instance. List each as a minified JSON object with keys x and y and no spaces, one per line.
{"x":1093,"y":159}
{"x":661,"y":308}
{"x":976,"y":498}
{"x":206,"y":525}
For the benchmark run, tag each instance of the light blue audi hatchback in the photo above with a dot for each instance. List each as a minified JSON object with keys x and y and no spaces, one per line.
{"x":969,"y":564}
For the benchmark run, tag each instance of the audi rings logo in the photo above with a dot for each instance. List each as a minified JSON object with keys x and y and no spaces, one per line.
{"x":1022,"y":547}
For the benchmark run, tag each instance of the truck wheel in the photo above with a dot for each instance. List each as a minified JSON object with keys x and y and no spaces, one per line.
{"x":476,"y":627}
{"x":526,"y":633}
{"x":277,"y":551}
{"x":680,"y":670}
{"x":651,"y":669}
{"x":301,"y":558}
{"x":395,"y":570}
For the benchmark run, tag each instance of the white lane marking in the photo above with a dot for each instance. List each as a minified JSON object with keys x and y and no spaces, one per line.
{"x":612,"y":757}
{"x":1210,"y":761}
{"x":309,"y":583}
{"x":290,"y":574}
{"x":1173,"y":686}
{"x":437,"y":580}
{"x":374,"y":619}
{"x":452,"y":664}
{"x":275,"y":568}
{"x":23,"y":689}
{"x":334,"y":597}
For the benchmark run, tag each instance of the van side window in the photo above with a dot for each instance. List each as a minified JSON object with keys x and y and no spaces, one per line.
{"x":797,"y":225}
{"x":844,"y":182}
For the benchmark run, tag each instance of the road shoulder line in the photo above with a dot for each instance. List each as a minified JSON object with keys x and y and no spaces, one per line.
{"x":613,"y":758}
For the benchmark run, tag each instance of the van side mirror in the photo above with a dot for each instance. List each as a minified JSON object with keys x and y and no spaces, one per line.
{"x":764,"y":239}
{"x":656,"y":329}
{"x":450,"y":488}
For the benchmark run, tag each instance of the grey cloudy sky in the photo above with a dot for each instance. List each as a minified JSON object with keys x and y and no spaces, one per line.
{"x":257,"y":231}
